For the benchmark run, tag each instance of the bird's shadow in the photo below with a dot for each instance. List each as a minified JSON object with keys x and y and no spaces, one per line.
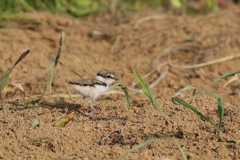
{"x":66,"y":107}
{"x":62,"y":105}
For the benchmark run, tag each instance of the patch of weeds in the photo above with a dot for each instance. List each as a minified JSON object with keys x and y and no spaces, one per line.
{"x":146,"y":89}
{"x":25,"y":105}
{"x":219,"y":98}
{"x":220,"y":111}
{"x":4,"y":85}
{"x":149,"y":140}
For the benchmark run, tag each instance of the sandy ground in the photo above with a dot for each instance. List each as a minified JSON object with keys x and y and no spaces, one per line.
{"x":160,"y":45}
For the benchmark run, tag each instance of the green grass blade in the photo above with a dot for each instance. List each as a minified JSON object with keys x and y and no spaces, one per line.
{"x":118,"y":85}
{"x":40,"y":141}
{"x":136,"y":91}
{"x":140,"y":80}
{"x":185,"y":89}
{"x":147,"y":90}
{"x":59,"y":50}
{"x":180,"y":149}
{"x":25,"y":6}
{"x":71,"y":69}
{"x":216,"y":80}
{"x":49,"y":75}
{"x":68,"y":90}
{"x":89,"y":65}
{"x":220,"y":110}
{"x":126,"y":97}
{"x":212,"y":4}
{"x":140,"y":146}
{"x":151,"y":136}
{"x":125,"y":90}
{"x":150,"y":96}
{"x":53,"y":64}
{"x":5,"y":112}
{"x":175,"y":99}
{"x":5,"y":79}
{"x":4,"y":82}
{"x":33,"y":104}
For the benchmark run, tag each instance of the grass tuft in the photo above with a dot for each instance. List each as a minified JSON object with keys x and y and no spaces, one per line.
{"x":149,"y":140}
{"x":52,"y":66}
{"x":219,"y":98}
{"x":215,"y":81}
{"x":4,"y":82}
{"x":184,"y":103}
{"x":148,"y":92}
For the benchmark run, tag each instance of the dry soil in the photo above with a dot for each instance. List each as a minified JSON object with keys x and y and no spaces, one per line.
{"x":154,"y":44}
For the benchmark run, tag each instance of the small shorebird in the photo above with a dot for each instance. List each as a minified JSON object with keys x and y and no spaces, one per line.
{"x":94,"y":88}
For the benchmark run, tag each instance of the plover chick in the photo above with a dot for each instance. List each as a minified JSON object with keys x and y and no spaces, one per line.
{"x":93,"y":88}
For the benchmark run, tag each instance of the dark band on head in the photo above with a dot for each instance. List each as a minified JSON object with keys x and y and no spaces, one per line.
{"x":88,"y":82}
{"x":105,"y":76}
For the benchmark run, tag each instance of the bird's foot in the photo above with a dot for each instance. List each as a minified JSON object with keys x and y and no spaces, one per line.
{"x":89,"y":113}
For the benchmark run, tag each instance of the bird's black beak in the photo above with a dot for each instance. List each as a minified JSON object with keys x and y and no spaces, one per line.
{"x":115,"y":78}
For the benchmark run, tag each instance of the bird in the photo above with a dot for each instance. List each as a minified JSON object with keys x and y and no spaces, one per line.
{"x":94,"y":88}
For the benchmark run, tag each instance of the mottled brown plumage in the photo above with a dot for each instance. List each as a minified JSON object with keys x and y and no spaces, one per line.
{"x":88,"y":82}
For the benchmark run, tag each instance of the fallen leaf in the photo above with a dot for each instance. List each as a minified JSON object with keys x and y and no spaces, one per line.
{"x":9,"y":87}
{"x":65,"y":120}
{"x":34,"y":124}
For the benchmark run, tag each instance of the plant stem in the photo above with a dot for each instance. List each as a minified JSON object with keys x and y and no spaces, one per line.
{"x":3,"y":106}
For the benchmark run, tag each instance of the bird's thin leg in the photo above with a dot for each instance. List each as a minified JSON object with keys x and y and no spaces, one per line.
{"x":92,"y":109}
{"x":85,"y":112}
{"x":83,"y":102}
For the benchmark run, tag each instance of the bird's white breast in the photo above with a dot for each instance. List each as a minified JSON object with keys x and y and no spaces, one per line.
{"x":90,"y":91}
{"x":84,"y":90}
{"x":101,"y":89}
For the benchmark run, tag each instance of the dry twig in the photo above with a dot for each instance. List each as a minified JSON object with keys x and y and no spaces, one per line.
{"x":163,"y":75}
{"x":207,"y":63}
{"x":106,"y":136}
{"x":148,"y":18}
